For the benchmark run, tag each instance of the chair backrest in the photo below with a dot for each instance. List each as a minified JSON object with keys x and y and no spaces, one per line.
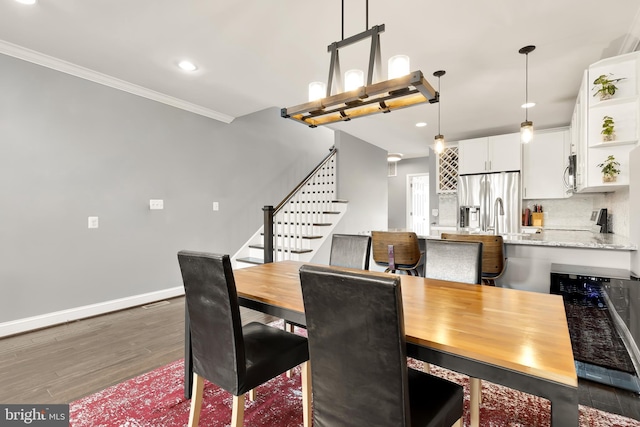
{"x":405,"y":247}
{"x":454,"y":261}
{"x":350,"y":250}
{"x":493,"y":259}
{"x":357,"y":347}
{"x":214,"y":316}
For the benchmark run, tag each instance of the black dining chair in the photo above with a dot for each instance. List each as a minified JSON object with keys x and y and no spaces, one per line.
{"x":360,"y":377}
{"x":454,"y":261}
{"x":236,"y":358}
{"x":458,"y":261}
{"x":350,"y":250}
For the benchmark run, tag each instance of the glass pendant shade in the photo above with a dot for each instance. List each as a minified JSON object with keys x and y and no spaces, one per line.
{"x":438,"y":145}
{"x":398,"y":66}
{"x":353,"y":79}
{"x":526,"y":132}
{"x":317,"y":90}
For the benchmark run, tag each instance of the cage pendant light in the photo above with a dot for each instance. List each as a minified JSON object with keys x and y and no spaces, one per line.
{"x":526,"y":127}
{"x":438,"y":144}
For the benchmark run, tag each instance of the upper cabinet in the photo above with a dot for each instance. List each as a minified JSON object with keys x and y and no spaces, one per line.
{"x":544,"y":165}
{"x":596,"y":141}
{"x":490,"y":154}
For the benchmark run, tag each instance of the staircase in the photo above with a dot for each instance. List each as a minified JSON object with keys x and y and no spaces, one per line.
{"x":299,"y":224}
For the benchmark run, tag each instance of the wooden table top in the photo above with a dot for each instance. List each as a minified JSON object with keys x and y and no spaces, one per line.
{"x":518,"y":330}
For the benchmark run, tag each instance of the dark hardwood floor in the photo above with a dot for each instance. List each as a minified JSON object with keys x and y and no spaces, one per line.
{"x":66,"y":362}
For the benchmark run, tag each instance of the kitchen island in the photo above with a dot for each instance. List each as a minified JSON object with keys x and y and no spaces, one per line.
{"x":530,"y":255}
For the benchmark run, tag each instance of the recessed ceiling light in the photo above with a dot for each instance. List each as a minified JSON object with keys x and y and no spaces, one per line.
{"x":421,"y":124}
{"x":187,"y":65}
{"x":528,"y":105}
{"x":27,"y":1}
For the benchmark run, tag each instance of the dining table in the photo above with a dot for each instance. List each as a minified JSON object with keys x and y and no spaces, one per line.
{"x":518,"y":339}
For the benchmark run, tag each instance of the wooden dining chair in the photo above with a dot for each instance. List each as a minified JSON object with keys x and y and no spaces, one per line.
{"x":360,"y":377}
{"x":397,"y":251}
{"x":454,"y":261}
{"x":350,"y":250}
{"x":236,"y":358}
{"x":494,"y":259}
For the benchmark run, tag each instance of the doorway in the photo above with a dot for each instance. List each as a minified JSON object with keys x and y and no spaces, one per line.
{"x":418,"y":204}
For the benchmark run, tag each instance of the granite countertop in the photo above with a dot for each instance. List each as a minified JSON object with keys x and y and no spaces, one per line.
{"x":563,"y":238}
{"x":572,"y":239}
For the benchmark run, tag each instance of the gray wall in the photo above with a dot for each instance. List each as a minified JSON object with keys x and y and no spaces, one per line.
{"x":398,"y":188}
{"x":70,"y":148}
{"x":362,"y":181}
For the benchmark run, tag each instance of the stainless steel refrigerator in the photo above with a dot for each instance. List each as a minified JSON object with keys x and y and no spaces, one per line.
{"x":482,"y":198}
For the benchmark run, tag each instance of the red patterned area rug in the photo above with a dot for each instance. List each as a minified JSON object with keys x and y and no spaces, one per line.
{"x":156,"y":399}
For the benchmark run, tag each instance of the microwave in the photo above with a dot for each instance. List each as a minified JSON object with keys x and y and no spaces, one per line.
{"x":570,"y":172}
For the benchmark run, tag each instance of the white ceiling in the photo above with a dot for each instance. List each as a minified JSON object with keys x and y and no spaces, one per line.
{"x":255,"y":54}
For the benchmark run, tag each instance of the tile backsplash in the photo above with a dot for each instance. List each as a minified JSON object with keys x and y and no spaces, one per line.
{"x":571,"y":213}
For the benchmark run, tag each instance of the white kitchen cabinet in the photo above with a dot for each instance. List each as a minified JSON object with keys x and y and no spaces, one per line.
{"x":490,"y":154}
{"x":623,"y":107}
{"x":544,"y":161}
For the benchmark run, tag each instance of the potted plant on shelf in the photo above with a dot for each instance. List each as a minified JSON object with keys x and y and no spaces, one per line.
{"x":608,"y":129}
{"x":606,"y":87}
{"x":609,"y":169}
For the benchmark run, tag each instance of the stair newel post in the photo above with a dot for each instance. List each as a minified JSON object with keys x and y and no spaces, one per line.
{"x":268,"y":234}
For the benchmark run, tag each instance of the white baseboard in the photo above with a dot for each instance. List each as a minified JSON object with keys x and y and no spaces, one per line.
{"x":49,"y":319}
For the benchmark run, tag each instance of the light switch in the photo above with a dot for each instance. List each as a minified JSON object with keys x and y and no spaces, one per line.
{"x":155,"y":204}
{"x":216,"y":206}
{"x":93,"y":222}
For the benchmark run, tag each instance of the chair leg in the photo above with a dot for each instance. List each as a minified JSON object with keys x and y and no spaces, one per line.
{"x":289,"y":328}
{"x":252,"y":394}
{"x":306,"y":394}
{"x":196,"y":400}
{"x":237,"y":414}
{"x":475,"y":392}
{"x":458,"y":423}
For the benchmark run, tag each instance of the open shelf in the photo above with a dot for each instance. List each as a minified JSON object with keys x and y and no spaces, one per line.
{"x":613,"y":143}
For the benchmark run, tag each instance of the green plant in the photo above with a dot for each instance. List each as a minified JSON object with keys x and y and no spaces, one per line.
{"x":606,"y":86}
{"x":610,"y":167}
{"x":608,"y":126}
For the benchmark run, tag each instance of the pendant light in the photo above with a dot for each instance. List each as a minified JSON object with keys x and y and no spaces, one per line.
{"x":438,"y":144}
{"x":364,"y":92}
{"x":526,"y":127}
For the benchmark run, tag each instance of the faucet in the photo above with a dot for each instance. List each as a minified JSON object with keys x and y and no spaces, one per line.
{"x":495,"y":214}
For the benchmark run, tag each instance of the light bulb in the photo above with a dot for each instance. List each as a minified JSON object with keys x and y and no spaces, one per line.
{"x":353,"y":79}
{"x":438,"y":145}
{"x":317,"y":90}
{"x":526,"y":132}
{"x":398,"y":66}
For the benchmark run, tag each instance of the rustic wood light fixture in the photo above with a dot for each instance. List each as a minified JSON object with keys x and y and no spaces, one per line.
{"x":373,"y":97}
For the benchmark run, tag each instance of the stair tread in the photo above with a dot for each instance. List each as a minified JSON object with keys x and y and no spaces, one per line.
{"x":293,"y":251}
{"x":310,"y":236}
{"x":315,"y":224}
{"x":251,"y":260}
{"x":314,"y":212}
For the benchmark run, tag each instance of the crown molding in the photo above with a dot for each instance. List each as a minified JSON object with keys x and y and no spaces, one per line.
{"x":38,"y":58}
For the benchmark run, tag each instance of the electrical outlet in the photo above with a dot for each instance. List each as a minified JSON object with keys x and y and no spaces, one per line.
{"x":216,"y":206}
{"x":93,"y":222}
{"x":155,"y":204}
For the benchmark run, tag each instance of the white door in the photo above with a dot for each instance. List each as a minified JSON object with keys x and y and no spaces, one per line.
{"x":418,"y":204}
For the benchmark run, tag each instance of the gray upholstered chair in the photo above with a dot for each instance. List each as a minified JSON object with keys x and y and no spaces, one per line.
{"x":458,"y":262}
{"x":454,"y":261}
{"x":350,"y":250}
{"x":357,"y":345}
{"x":494,"y":260}
{"x":234,"y":357}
